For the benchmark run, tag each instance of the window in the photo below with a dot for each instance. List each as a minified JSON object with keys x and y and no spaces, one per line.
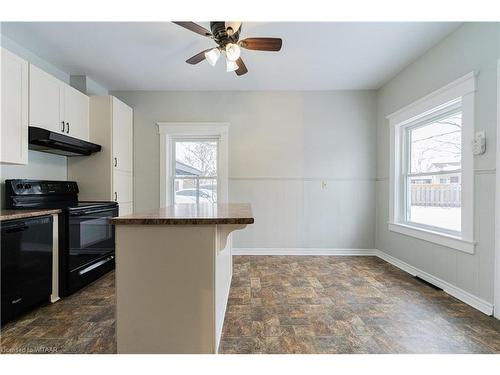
{"x":431,"y":168}
{"x":193,"y":162}
{"x":195,"y":178}
{"x":434,"y":155}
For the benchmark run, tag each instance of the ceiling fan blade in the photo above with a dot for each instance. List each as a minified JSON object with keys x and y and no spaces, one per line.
{"x":262,"y":44}
{"x":242,"y":69}
{"x":198,"y":57}
{"x":194,"y":27}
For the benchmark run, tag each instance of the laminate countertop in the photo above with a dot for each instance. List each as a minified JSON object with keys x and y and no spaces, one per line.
{"x":23,"y":214}
{"x":190,"y":214}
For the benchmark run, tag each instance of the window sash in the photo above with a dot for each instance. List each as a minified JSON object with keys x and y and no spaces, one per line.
{"x":406,"y":174}
{"x":407,"y":207}
{"x":433,"y":173}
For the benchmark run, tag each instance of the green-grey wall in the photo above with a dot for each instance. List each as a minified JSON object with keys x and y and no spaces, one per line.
{"x":472,"y":47}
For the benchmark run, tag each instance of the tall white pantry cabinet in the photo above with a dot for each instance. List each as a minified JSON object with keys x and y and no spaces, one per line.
{"x":107,"y":175}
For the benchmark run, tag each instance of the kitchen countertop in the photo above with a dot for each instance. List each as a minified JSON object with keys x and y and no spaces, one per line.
{"x":23,"y":214}
{"x":190,"y":214}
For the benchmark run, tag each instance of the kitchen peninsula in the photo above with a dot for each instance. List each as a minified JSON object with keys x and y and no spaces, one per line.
{"x":173,"y":274}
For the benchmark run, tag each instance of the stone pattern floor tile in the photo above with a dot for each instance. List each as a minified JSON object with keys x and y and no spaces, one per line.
{"x":279,"y":305}
{"x":81,"y":323}
{"x":308,"y":304}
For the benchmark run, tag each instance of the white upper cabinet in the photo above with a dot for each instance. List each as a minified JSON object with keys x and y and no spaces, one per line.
{"x":14,"y":126}
{"x":56,"y":106}
{"x":122,"y":136}
{"x":46,"y":96}
{"x":76,"y":113}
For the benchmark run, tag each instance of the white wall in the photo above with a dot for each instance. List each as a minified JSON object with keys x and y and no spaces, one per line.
{"x":472,"y":47}
{"x":91,"y":87}
{"x":282,"y":145}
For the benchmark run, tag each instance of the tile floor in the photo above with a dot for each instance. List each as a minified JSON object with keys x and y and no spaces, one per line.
{"x":286,"y":305}
{"x":298,"y":304}
{"x":81,"y":323}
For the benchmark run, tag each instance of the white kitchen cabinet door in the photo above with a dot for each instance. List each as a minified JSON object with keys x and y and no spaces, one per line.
{"x":122,"y":186}
{"x":46,"y":103}
{"x":76,"y":113}
{"x":14,"y":126}
{"x":122,"y":136}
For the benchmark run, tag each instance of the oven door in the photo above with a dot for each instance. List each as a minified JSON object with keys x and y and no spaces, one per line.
{"x":90,"y":236}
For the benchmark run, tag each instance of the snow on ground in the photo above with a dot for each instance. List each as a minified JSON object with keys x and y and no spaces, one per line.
{"x":443,"y":217}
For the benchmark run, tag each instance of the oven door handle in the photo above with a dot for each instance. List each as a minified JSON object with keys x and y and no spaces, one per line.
{"x":95,"y":265}
{"x":81,"y":213}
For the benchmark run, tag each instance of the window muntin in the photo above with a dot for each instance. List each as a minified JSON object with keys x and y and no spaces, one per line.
{"x":433,"y":173}
{"x":195,"y":179}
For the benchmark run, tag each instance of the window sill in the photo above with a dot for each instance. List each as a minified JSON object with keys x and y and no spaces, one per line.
{"x":442,"y":239}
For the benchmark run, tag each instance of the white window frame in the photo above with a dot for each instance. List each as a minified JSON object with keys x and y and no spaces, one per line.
{"x":173,"y":131}
{"x":459,"y":93}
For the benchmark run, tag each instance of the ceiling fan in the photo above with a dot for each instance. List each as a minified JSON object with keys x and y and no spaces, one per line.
{"x":226,"y":35}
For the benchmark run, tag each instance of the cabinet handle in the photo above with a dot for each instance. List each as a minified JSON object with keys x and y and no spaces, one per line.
{"x":116,"y":162}
{"x":62,"y":126}
{"x":67,"y":130}
{"x":116,"y":196}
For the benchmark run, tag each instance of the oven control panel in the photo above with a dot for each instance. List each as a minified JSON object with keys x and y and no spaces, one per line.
{"x":38,"y":187}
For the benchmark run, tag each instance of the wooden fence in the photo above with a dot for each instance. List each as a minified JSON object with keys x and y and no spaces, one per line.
{"x":436,"y":195}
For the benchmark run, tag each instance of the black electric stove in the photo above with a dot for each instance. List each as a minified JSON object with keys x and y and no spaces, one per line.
{"x":86,"y":239}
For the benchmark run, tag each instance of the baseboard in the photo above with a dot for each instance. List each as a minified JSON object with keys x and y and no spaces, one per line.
{"x":476,"y":302}
{"x":466,"y":297}
{"x":303,"y":251}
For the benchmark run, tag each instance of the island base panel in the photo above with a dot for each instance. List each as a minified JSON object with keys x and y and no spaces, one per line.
{"x":165,"y":280}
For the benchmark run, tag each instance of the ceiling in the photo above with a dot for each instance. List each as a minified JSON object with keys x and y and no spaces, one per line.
{"x":151,"y":55}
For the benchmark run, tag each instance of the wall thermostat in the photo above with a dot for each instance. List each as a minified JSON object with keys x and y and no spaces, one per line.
{"x":479,"y":143}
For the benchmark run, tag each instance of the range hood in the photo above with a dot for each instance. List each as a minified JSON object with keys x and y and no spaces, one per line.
{"x":55,"y":143}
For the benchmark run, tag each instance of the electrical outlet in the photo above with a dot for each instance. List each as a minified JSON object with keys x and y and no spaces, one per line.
{"x":323,"y":185}
{"x":479,"y":143}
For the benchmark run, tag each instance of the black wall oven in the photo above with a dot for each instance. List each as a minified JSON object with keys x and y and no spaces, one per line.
{"x":90,"y":243}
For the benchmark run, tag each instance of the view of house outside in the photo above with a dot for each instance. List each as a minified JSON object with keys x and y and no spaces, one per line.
{"x":195,"y":172}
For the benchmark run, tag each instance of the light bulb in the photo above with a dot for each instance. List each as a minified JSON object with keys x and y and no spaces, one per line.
{"x":212,"y":56}
{"x":232,"y":51}
{"x":231,"y":66}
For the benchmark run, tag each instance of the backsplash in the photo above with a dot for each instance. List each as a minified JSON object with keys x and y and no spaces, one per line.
{"x":40,"y":165}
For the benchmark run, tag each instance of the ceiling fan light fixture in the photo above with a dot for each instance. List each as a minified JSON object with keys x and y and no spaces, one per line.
{"x":226,"y":34}
{"x":231,"y":66}
{"x":212,"y":56}
{"x":233,"y":51}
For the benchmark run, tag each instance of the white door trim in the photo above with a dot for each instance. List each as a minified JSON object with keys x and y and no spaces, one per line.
{"x":169,"y":130}
{"x":497,"y":216}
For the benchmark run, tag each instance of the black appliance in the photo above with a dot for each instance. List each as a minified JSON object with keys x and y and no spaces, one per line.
{"x":26,"y":265}
{"x":86,"y":238}
{"x":56,"y":143}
